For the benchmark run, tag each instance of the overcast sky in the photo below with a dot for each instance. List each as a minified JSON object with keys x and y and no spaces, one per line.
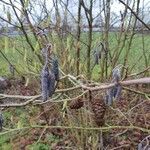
{"x":116,"y":6}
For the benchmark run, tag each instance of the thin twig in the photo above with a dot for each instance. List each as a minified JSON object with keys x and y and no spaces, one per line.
{"x":134,"y":13}
{"x":19,"y":96}
{"x":38,"y":102}
{"x":19,"y":104}
{"x":41,"y":135}
{"x":136,"y":74}
{"x":135,"y":91}
{"x":123,"y":83}
{"x":121,"y":146}
{"x":122,"y":114}
{"x":78,"y":128}
{"x":68,"y":89}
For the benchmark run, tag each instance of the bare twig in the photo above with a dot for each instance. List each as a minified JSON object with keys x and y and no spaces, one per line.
{"x":19,"y":96}
{"x":78,"y":128}
{"x":123,"y":83}
{"x":134,"y":13}
{"x":19,"y":105}
{"x":135,"y":91}
{"x":136,"y":74}
{"x":68,"y":89}
{"x":41,"y":135}
{"x":121,"y":146}
{"x":38,"y":102}
{"x":8,"y":61}
{"x":122,"y":114}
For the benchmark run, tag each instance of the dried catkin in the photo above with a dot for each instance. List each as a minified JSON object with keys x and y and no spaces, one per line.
{"x":45,"y":83}
{"x":1,"y":121}
{"x":117,"y":91}
{"x":116,"y":74}
{"x":55,"y":68}
{"x":51,"y":84}
{"x":112,"y":93}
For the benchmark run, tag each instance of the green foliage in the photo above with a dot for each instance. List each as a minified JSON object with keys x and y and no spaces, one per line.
{"x":4,"y":139}
{"x":39,"y":146}
{"x":6,"y":146}
{"x":52,"y":138}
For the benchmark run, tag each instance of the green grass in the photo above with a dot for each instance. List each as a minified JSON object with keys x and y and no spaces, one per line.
{"x":39,"y":146}
{"x":67,"y":52}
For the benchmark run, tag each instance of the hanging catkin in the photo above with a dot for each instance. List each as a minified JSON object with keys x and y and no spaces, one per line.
{"x":48,"y":76}
{"x":55,"y":68}
{"x":45,"y":83}
{"x":114,"y":92}
{"x":1,"y":121}
{"x":51,"y":84}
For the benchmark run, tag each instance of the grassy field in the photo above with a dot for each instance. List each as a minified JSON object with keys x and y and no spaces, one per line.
{"x":19,"y":54}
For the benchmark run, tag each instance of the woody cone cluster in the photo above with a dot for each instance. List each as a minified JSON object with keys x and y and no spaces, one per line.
{"x":99,"y":108}
{"x":76,"y":104}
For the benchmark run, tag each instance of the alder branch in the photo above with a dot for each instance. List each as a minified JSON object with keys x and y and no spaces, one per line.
{"x":104,"y":129}
{"x":85,"y":87}
{"x":38,"y":102}
{"x":107,"y":86}
{"x":19,"y":104}
{"x":19,"y":96}
{"x":4,"y":56}
{"x":135,"y":14}
{"x":136,"y":74}
{"x":7,"y":21}
{"x":38,"y":96}
{"x":135,"y":91}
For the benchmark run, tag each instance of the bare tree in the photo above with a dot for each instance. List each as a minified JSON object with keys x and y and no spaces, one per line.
{"x":78,"y":37}
{"x":89,"y":17}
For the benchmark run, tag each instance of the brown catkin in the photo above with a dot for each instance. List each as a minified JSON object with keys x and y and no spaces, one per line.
{"x":76,"y":104}
{"x":98,"y":107}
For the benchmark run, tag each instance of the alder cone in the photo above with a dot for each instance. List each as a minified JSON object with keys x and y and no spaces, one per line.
{"x":76,"y":104}
{"x":98,"y":107}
